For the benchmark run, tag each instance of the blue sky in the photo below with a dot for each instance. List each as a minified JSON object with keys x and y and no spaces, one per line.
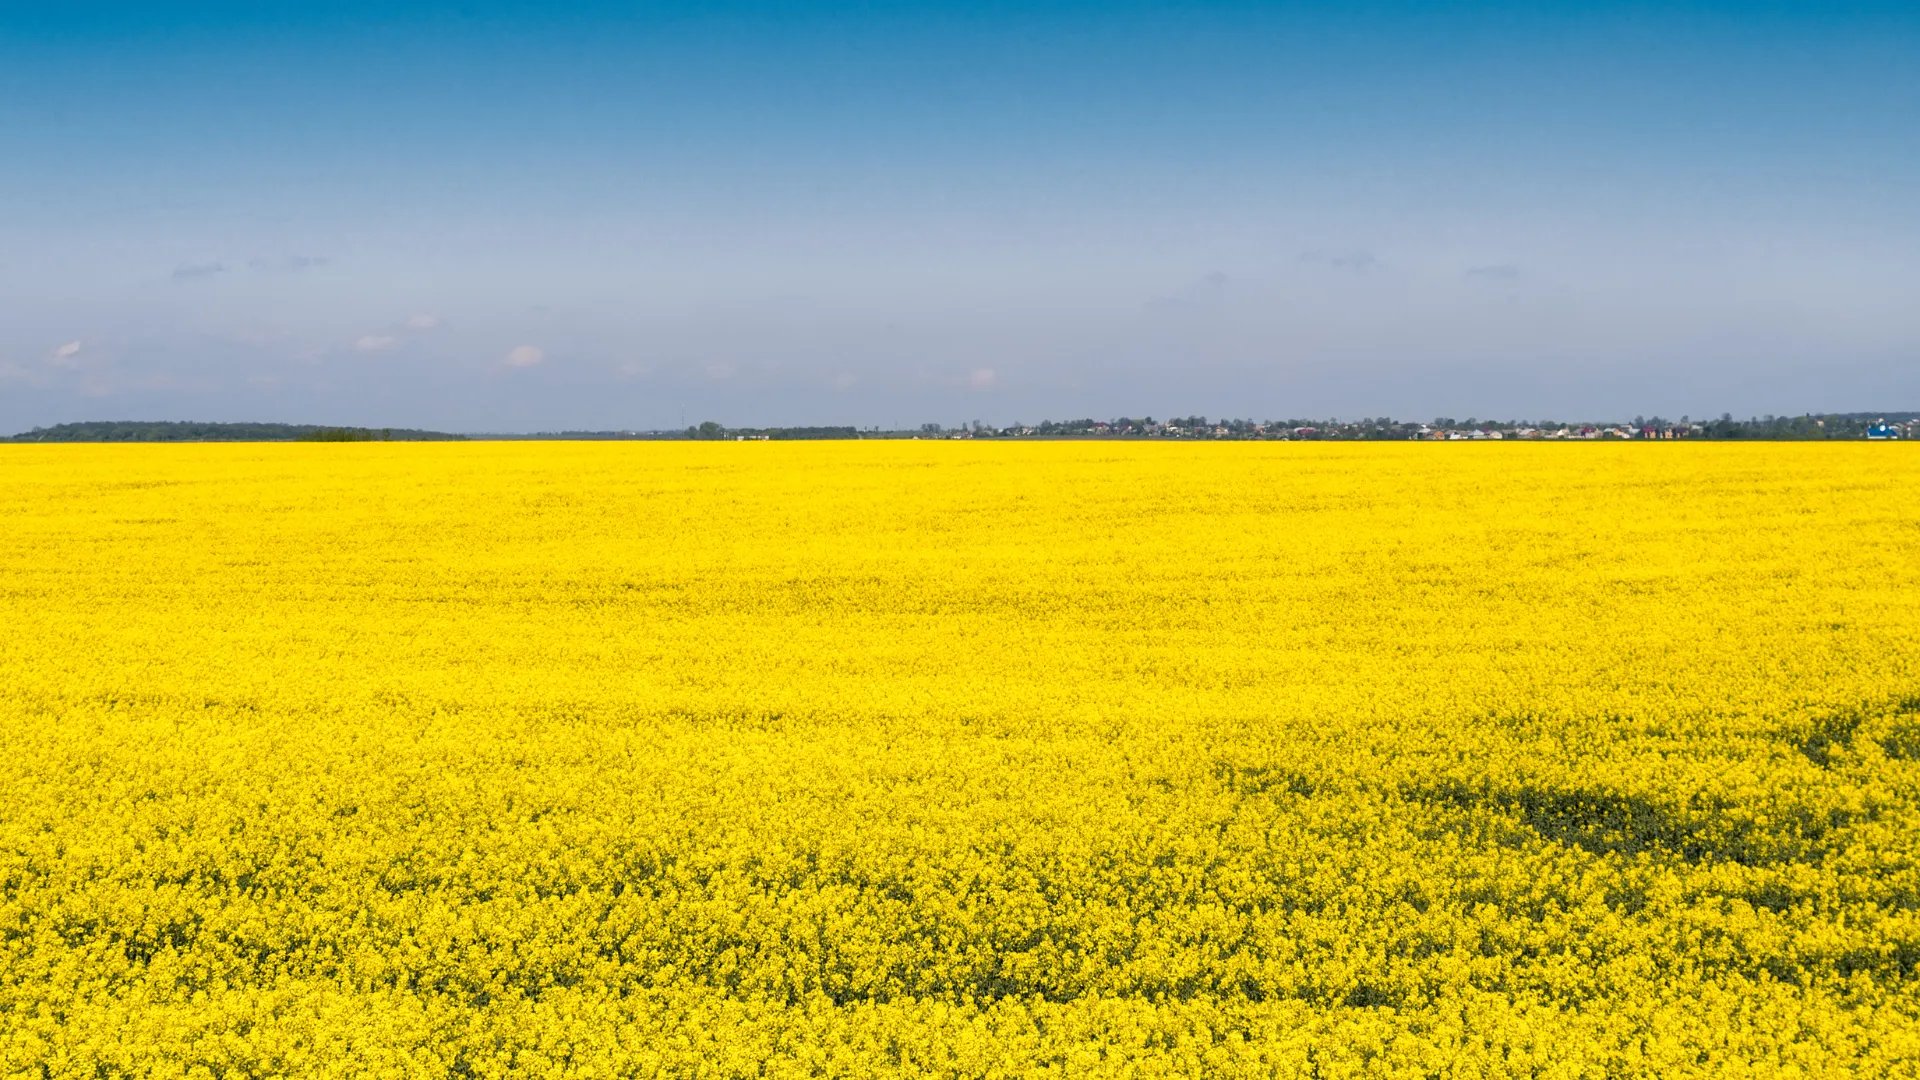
{"x":489,"y":216}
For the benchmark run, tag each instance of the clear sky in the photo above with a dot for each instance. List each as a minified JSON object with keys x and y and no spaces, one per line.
{"x":509,"y":216}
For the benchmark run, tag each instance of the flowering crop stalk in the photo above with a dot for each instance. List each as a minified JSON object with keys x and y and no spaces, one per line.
{"x":959,"y":759}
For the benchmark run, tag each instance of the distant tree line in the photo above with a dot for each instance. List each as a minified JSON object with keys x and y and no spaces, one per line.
{"x":1809,"y":426}
{"x":711,"y":430}
{"x":191,"y":431}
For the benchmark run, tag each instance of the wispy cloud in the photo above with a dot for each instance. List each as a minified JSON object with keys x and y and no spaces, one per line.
{"x":1205,"y":290}
{"x":1352,"y":262}
{"x":1498,"y":272}
{"x":286,"y":263}
{"x":982,"y":379}
{"x":259,"y":264}
{"x":65,"y":355}
{"x":396,"y":333}
{"x":525,"y":356}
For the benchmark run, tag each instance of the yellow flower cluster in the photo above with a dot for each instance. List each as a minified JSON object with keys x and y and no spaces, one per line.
{"x":959,"y":759}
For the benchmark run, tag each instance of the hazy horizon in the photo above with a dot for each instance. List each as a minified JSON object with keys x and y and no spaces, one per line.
{"x":498,"y":217}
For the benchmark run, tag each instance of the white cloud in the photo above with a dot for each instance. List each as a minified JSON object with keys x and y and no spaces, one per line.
{"x":395,"y":333}
{"x":525,"y":356}
{"x":66,"y":356}
{"x":982,"y":379}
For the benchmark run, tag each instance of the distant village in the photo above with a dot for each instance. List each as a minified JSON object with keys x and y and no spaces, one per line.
{"x":1443,"y":429}
{"x":1827,"y":426}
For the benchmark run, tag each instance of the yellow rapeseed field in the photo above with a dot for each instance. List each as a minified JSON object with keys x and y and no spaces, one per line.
{"x":948,"y":759}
